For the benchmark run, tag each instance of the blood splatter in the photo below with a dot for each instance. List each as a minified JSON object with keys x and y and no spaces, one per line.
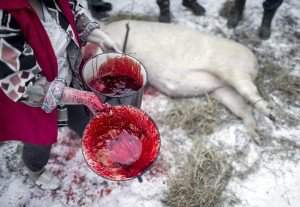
{"x":70,"y":154}
{"x":105,"y":192}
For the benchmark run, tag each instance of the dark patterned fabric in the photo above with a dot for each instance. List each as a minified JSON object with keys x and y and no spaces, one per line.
{"x":17,"y":62}
{"x":18,"y":65}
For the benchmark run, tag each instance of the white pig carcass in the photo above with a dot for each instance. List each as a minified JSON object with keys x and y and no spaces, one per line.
{"x":182,"y":62}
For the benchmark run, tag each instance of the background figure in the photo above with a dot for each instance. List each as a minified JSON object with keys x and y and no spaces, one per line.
{"x":165,"y":14}
{"x":270,"y":8}
{"x":99,"y":8}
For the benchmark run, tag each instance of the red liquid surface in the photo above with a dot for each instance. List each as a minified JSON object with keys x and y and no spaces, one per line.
{"x":117,"y":76}
{"x":124,"y":148}
{"x":114,"y":85}
{"x":121,"y":143}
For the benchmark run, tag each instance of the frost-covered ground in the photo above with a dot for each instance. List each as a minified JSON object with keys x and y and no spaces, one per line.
{"x":267,"y":175}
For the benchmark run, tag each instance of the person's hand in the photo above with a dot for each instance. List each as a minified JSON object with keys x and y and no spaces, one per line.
{"x":103,"y":40}
{"x":109,"y":44}
{"x":59,"y":94}
{"x":93,"y":103}
{"x":73,"y":96}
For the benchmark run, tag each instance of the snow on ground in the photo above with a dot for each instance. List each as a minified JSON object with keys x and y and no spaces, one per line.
{"x":267,"y":175}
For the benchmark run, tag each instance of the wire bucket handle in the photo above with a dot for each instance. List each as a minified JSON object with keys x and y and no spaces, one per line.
{"x":126,"y":38}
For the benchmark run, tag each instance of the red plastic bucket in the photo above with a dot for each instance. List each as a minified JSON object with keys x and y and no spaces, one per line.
{"x":121,"y":143}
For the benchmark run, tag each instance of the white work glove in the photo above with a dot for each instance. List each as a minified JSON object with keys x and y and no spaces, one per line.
{"x":110,"y":45}
{"x":99,"y":37}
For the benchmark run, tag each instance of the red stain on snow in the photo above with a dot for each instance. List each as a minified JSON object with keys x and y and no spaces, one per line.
{"x":78,"y":179}
{"x":70,"y":195}
{"x":71,"y":153}
{"x":105,"y":192}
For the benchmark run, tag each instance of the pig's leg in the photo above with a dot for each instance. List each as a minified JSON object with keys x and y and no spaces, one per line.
{"x":235,"y":103}
{"x":246,"y":87}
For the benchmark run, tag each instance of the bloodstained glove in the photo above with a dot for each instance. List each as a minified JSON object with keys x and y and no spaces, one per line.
{"x":73,"y":96}
{"x":59,"y":94}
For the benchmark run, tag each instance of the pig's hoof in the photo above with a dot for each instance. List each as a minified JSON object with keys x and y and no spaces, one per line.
{"x":256,"y":138}
{"x":272,"y":117}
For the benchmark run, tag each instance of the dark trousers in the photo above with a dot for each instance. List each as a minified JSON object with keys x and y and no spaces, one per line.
{"x":36,"y":157}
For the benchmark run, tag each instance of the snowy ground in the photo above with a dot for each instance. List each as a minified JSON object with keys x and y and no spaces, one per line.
{"x":267,"y":175}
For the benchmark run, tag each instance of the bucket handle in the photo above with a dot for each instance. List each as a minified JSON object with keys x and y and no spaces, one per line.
{"x":126,"y":38}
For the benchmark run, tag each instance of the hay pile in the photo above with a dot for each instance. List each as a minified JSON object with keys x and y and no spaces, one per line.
{"x":194,"y":117}
{"x":200,"y":182}
{"x":272,"y":78}
{"x":288,"y":84}
{"x":203,"y":178}
{"x":277,"y":81}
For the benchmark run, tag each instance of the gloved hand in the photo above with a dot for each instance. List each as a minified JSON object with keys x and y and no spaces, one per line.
{"x":109,"y":44}
{"x":99,"y":37}
{"x":59,"y":94}
{"x":73,"y":96}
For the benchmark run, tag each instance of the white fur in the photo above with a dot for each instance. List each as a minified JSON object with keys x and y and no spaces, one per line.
{"x":182,"y":62}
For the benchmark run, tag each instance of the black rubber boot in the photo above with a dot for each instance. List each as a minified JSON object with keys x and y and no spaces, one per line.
{"x":265,"y":28}
{"x":194,"y":6}
{"x":99,"y":8}
{"x":164,"y":11}
{"x":270,"y":8}
{"x":237,"y":13}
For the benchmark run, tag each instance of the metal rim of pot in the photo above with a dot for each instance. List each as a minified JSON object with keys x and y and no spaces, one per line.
{"x":143,"y":69}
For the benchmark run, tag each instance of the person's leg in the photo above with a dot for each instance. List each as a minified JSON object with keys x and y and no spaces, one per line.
{"x":78,"y":117}
{"x":237,"y":13}
{"x":194,"y":6}
{"x":35,"y":157}
{"x":270,"y":8}
{"x":99,"y":8}
{"x":164,"y":11}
